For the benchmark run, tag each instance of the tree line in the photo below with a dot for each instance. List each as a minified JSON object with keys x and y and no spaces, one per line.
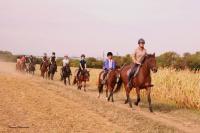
{"x":165,"y":60}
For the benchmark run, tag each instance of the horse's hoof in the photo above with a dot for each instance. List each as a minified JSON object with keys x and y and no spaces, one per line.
{"x":126,"y":102}
{"x":136,"y":104}
{"x":151,"y":110}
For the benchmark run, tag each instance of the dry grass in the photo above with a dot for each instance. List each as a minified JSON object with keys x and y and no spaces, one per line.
{"x":179,"y":87}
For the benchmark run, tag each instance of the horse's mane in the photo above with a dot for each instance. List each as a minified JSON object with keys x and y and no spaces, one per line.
{"x":147,"y":56}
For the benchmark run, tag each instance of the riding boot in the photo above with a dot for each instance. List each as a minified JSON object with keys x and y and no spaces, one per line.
{"x":104,"y":77}
{"x":130,"y":76}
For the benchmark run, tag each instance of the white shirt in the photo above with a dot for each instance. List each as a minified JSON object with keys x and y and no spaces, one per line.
{"x":110,"y":64}
{"x":65,"y":62}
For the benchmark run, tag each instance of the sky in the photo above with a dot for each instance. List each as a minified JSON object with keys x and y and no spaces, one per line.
{"x":74,"y":27}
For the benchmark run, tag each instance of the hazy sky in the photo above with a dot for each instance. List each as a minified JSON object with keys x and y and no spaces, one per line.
{"x":92,"y":26}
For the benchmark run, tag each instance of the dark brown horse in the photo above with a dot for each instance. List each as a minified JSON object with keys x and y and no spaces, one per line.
{"x":112,"y":79}
{"x":141,"y":81}
{"x":81,"y":80}
{"x":44,"y":69}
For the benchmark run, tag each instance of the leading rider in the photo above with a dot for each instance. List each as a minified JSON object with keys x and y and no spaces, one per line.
{"x":138,"y":57}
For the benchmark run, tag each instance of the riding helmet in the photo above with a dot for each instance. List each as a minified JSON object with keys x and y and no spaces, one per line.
{"x":141,"y":41}
{"x":109,"y":54}
{"x":82,"y":55}
{"x":53,"y":53}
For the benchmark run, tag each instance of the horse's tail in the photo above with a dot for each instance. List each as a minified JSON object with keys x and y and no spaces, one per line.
{"x":100,"y":85}
{"x":119,"y":86}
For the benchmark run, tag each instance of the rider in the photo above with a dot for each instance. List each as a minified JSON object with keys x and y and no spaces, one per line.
{"x":30,"y":59}
{"x":53,"y":60}
{"x":138,"y":57}
{"x":109,"y":64}
{"x":82,"y":65}
{"x":44,"y":58}
{"x":65,"y":61}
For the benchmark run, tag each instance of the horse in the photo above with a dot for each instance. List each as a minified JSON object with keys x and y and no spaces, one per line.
{"x":65,"y":74}
{"x":112,"y":79}
{"x":52,"y":70}
{"x":44,"y":69}
{"x":141,"y":81}
{"x":31,"y":68}
{"x":81,"y":79}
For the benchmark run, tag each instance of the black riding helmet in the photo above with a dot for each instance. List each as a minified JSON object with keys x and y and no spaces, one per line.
{"x":53,"y":53}
{"x":109,"y":54}
{"x":141,"y":41}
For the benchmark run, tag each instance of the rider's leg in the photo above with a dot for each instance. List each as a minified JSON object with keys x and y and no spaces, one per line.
{"x":104,"y":76}
{"x":131,"y":74}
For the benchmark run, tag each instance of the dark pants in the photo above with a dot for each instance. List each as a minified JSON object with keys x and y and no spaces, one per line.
{"x":79,"y":71}
{"x":132,"y":72}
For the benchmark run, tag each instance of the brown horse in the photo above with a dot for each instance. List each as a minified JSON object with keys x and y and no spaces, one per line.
{"x":112,"y":79}
{"x":141,"y":81}
{"x":81,"y":80}
{"x":44,"y":69}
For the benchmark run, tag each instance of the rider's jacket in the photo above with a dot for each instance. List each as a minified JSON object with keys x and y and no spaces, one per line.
{"x":82,"y":64}
{"x":53,"y":59}
{"x":109,"y":64}
{"x":30,"y":59}
{"x":138,"y":55}
{"x":65,"y":62}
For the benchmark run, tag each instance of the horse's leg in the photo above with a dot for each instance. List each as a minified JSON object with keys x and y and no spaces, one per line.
{"x":65,"y":81}
{"x":108,"y":88}
{"x":69,"y":80}
{"x":128,"y":97}
{"x":106,"y":91}
{"x":138,"y":96}
{"x":51,"y":76}
{"x":84,"y":85}
{"x":149,"y":99}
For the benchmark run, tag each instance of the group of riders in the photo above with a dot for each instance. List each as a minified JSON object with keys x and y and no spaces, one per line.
{"x":136,"y":75}
{"x":108,"y":65}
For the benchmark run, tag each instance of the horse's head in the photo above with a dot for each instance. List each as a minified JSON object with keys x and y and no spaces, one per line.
{"x":151,"y":62}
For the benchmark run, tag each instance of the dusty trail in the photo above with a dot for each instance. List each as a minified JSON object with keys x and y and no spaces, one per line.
{"x":38,"y":105}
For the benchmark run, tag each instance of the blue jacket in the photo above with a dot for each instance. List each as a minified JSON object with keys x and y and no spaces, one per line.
{"x":106,"y":65}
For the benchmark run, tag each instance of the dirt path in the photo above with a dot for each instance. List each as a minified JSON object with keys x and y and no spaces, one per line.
{"x":31,"y":104}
